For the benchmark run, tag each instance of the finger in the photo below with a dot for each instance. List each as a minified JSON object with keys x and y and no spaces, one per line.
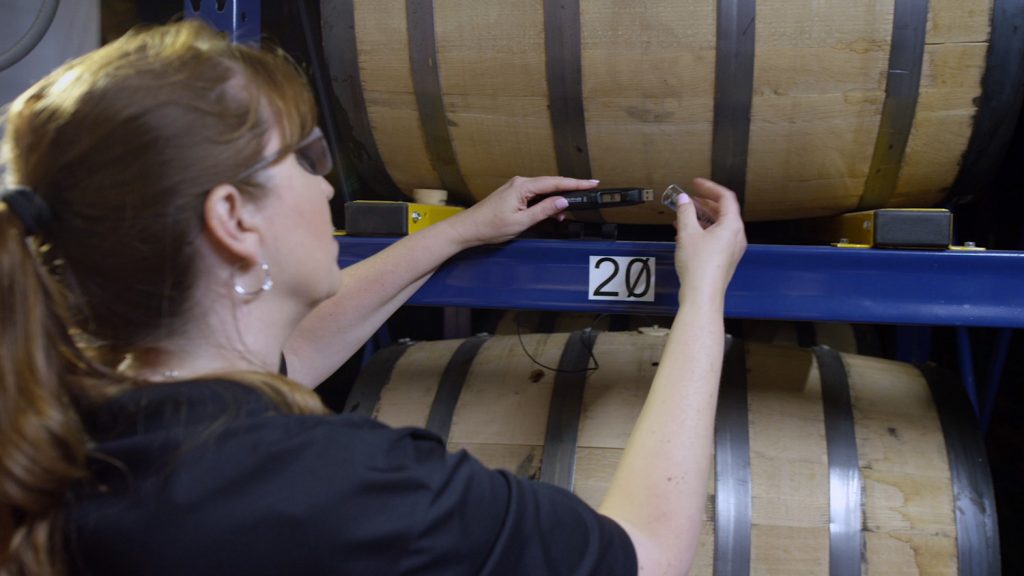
{"x":728,"y":205}
{"x":706,"y":204}
{"x":549,"y":184}
{"x":686,"y":215}
{"x":547,"y":208}
{"x":707,"y":211}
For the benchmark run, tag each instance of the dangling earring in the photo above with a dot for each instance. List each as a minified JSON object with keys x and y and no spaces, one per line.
{"x":267,"y":284}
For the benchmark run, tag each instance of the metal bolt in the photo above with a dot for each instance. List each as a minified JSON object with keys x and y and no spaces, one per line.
{"x":844,"y":241}
{"x":416,"y":217}
{"x":970,"y":245}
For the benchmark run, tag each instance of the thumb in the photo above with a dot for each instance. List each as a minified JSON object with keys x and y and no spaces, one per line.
{"x":547,"y":208}
{"x":686,"y":214}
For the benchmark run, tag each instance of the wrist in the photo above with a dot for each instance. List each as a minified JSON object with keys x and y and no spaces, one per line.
{"x":702,"y":295}
{"x":708,"y":314}
{"x":458,"y":232}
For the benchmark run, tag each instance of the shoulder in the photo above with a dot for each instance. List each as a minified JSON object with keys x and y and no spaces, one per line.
{"x":209,"y":474}
{"x":315,"y":494}
{"x":350,"y":494}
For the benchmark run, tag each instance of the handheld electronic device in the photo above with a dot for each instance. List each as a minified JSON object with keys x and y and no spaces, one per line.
{"x":603,"y":198}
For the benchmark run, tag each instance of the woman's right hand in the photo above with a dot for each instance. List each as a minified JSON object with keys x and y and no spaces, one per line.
{"x":710,"y":239}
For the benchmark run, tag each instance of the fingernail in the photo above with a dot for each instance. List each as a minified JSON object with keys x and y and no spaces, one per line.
{"x":594,"y":181}
{"x":683,"y":198}
{"x":561,"y":203}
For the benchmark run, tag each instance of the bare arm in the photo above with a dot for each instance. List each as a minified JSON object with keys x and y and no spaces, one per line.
{"x":659,"y":488}
{"x":373,"y":289}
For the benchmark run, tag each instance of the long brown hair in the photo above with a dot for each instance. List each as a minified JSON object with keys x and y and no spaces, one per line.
{"x":123,"y":145}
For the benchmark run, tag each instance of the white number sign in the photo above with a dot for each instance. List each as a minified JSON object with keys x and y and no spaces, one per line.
{"x":622,"y":278}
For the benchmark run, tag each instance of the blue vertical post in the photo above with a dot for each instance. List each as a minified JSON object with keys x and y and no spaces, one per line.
{"x":239,"y":18}
{"x":995,"y":377}
{"x":963,"y":337}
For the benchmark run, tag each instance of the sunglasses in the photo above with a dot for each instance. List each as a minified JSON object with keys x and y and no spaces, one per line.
{"x":311,"y":153}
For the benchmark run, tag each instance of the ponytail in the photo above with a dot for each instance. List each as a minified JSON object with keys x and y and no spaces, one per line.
{"x":42,"y":442}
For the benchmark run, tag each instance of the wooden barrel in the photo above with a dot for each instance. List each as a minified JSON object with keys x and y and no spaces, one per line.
{"x":531,"y":322}
{"x":851,"y":338}
{"x":860,"y":339}
{"x":825,"y":462}
{"x":805,"y":107}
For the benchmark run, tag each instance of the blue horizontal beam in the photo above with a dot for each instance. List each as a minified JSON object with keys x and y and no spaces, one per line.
{"x":943,"y":288}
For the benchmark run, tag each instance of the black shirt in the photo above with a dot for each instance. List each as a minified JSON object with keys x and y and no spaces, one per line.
{"x":208,"y":477}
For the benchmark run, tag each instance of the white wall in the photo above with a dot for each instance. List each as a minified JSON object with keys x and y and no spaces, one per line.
{"x":75,"y":31}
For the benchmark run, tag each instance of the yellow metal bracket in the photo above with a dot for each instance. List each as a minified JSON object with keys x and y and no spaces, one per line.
{"x":914,"y":228}
{"x":377,"y":218}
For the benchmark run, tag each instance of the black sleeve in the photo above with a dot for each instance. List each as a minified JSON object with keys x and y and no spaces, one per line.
{"x":480,"y":521}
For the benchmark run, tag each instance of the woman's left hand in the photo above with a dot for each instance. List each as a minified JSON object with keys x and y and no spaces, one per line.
{"x":506,"y":212}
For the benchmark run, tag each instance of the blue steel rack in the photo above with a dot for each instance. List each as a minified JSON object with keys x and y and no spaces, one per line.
{"x":947,"y":288}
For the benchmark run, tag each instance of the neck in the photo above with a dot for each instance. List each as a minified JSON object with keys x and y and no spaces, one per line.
{"x":222,"y":337}
{"x":181,"y":361}
{"x":221,"y":331}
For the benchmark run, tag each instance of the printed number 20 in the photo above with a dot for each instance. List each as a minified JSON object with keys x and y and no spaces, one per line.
{"x":638,"y":278}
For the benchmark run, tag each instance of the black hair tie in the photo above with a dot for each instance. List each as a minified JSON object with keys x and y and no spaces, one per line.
{"x":28,"y":207}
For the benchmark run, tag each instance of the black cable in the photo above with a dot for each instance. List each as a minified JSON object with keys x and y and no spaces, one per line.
{"x":589,"y":347}
{"x":39,"y":27}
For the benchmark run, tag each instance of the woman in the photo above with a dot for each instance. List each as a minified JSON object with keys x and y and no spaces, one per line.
{"x":165,"y":242}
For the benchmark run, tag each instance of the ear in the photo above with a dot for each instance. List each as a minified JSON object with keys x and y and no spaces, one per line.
{"x":232,"y":224}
